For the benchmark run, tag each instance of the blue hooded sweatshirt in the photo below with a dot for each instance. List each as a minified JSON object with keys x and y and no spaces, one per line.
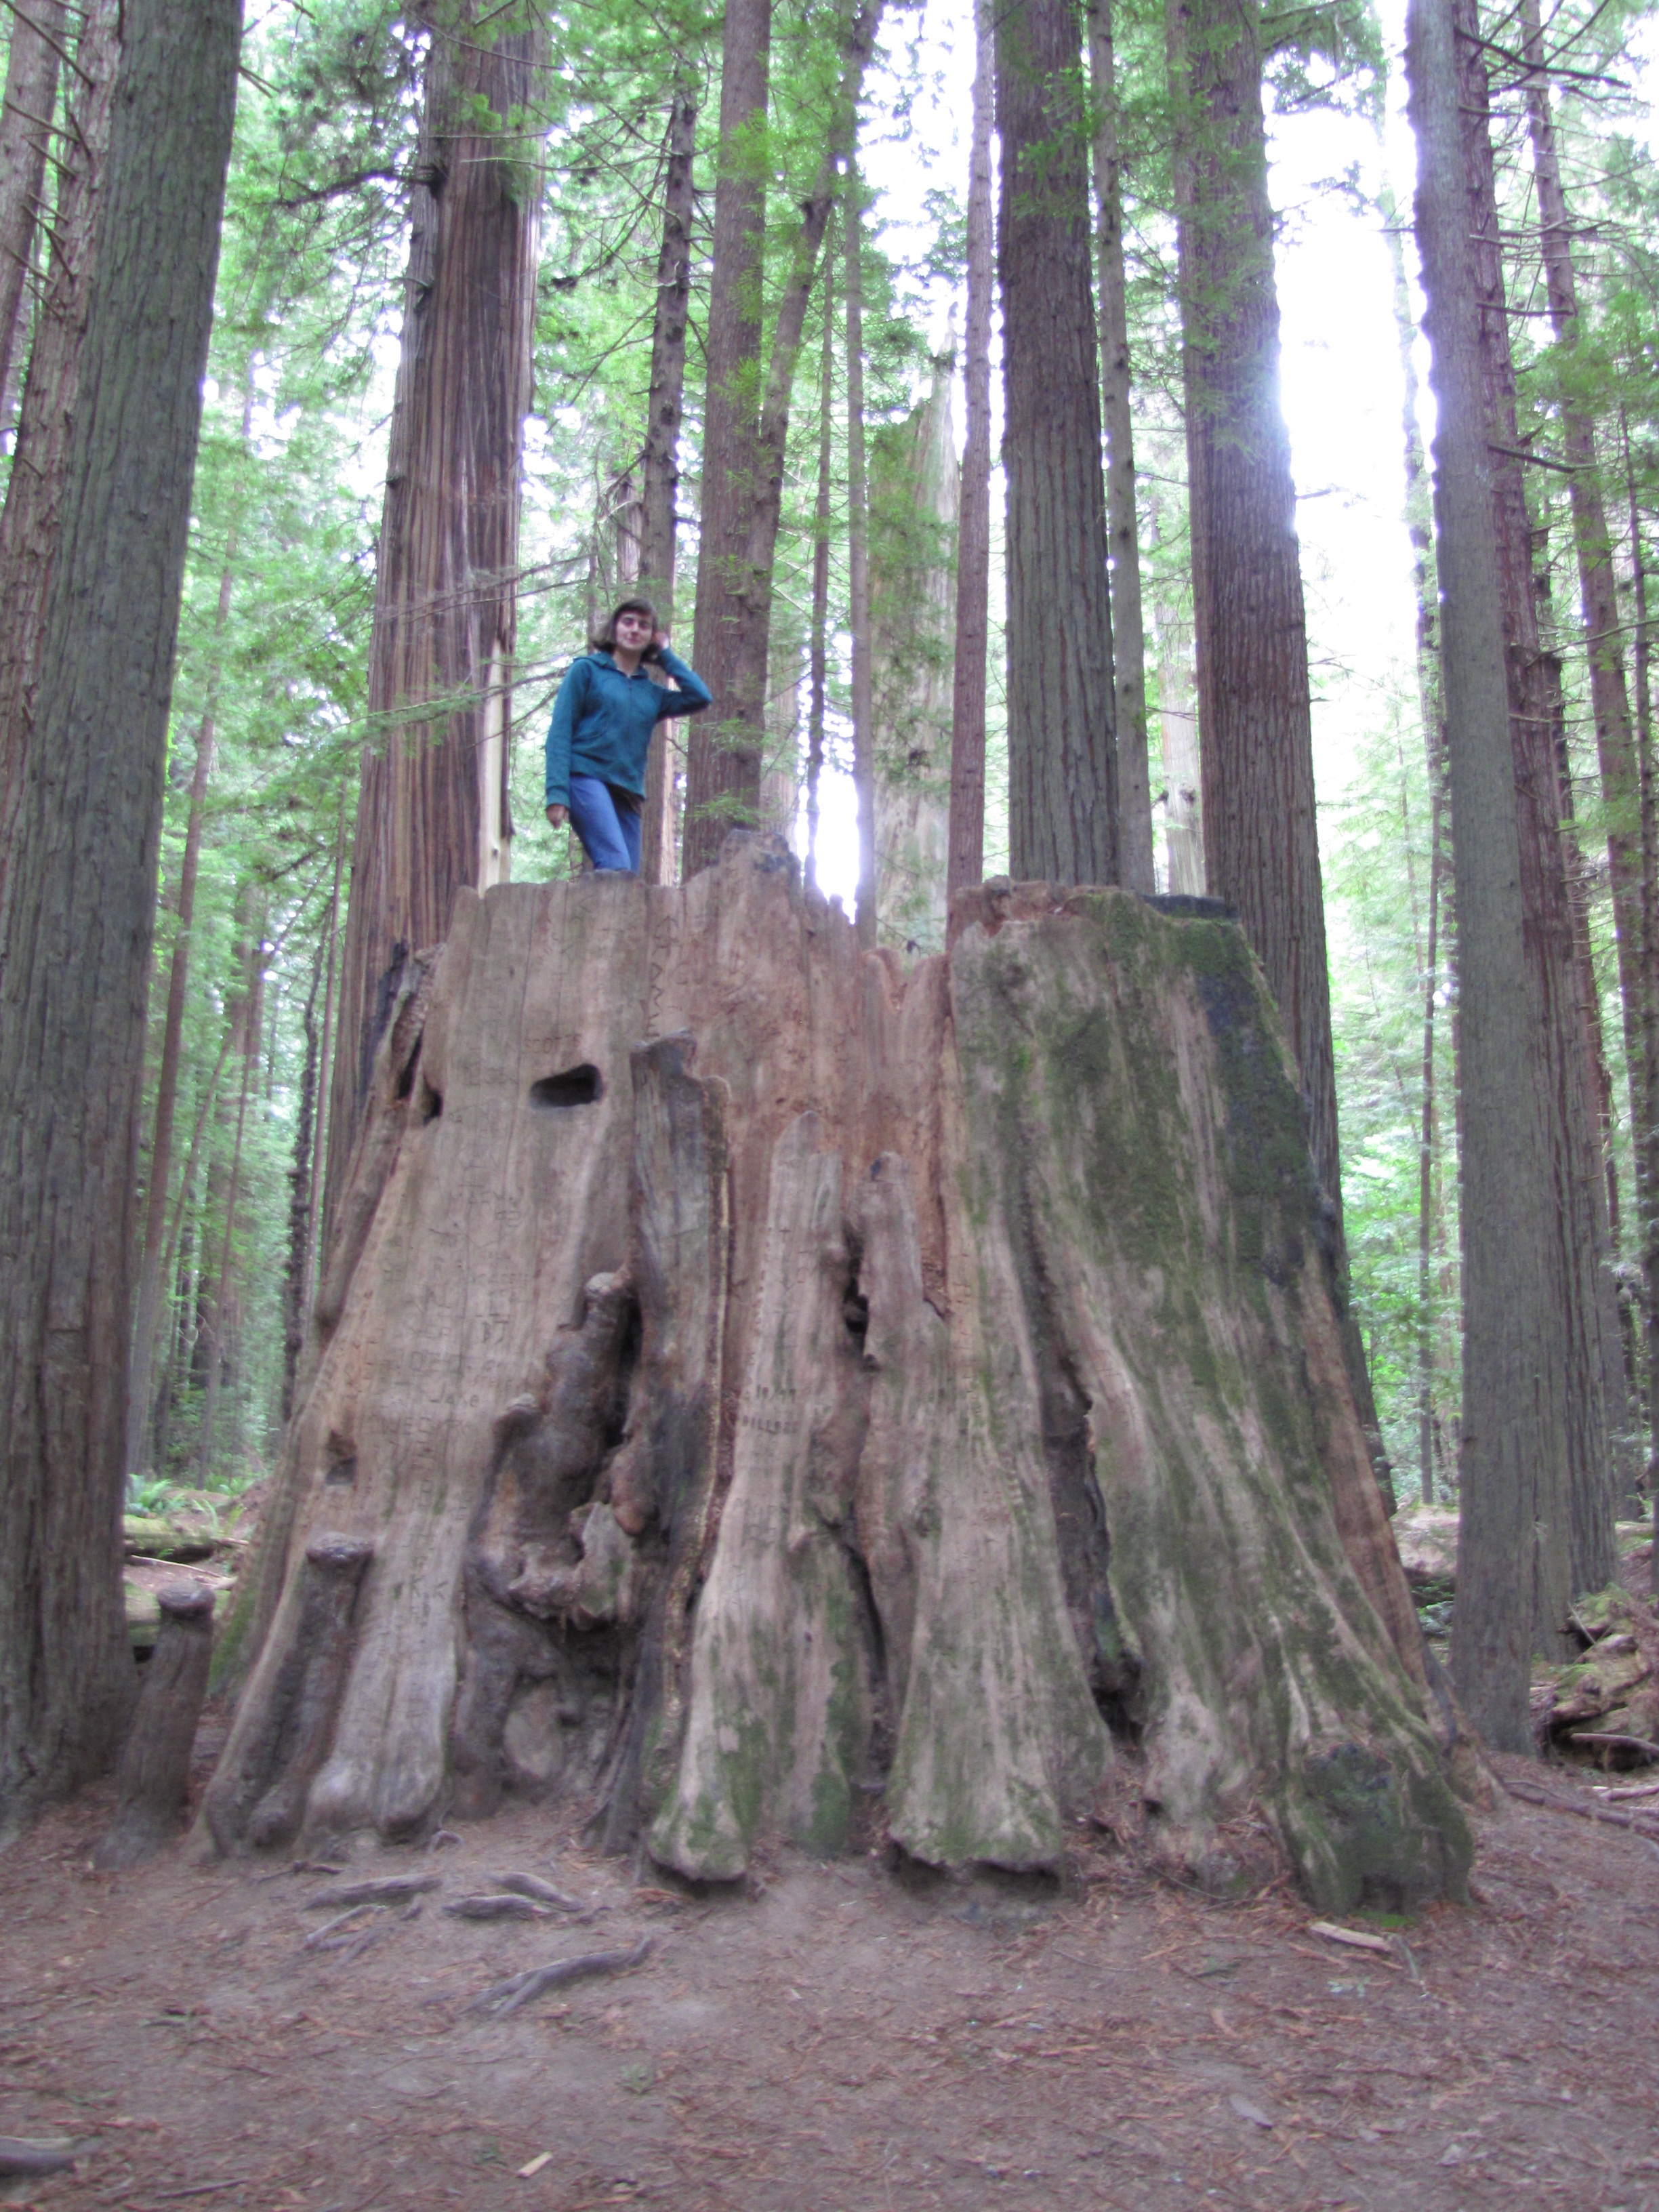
{"x":603,"y":721}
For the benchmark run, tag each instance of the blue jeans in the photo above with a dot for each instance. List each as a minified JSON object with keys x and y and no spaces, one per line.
{"x":610,"y":833}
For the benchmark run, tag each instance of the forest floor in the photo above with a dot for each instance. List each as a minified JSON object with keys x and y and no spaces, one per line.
{"x":841,"y":2039}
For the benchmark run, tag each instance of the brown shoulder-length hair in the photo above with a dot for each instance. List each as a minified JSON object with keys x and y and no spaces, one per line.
{"x":603,"y":638}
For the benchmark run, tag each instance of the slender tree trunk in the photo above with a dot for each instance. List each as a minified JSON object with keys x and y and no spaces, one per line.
{"x":220,"y":1325}
{"x":1062,"y":754}
{"x":858,"y":567}
{"x":750,"y":646}
{"x":967,"y":862}
{"x":1592,"y":544}
{"x":34,"y":489}
{"x":26,"y":125}
{"x":325,"y":1060}
{"x":818,"y":642}
{"x":1647,"y":1149}
{"x":79,"y":904}
{"x":141,"y":1392}
{"x":1255,"y":730}
{"x":1134,"y":795}
{"x":1513,"y":1577}
{"x":1260,"y":834}
{"x":723,"y":747}
{"x":1426,"y":1171}
{"x":1559,"y":1055}
{"x":297,"y":1272}
{"x":433,"y":811}
{"x":660,"y":491}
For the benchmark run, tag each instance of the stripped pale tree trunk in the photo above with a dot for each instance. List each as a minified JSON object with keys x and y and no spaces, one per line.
{"x":433,"y":812}
{"x":967,"y":856}
{"x":661,"y":470}
{"x":1513,"y":1560}
{"x":1134,"y":796}
{"x":765,"y":1393}
{"x":34,"y":489}
{"x":1063,"y":755}
{"x":858,"y":573}
{"x":26,"y":126}
{"x":77,"y":909}
{"x":914,"y":482}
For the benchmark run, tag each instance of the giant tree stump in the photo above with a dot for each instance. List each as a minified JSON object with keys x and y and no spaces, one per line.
{"x":773,"y":1391}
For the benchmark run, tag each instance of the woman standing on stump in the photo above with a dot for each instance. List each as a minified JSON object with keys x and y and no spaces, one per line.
{"x":601,"y":735}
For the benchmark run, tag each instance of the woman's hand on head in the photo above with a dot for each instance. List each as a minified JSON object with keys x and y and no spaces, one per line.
{"x":661,"y":640}
{"x":558,"y":816}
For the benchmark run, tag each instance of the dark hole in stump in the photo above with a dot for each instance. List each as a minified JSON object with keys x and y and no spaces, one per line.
{"x":577,"y":1086}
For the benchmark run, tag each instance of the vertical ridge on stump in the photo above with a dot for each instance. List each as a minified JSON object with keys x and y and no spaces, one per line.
{"x":784,"y":1392}
{"x":152,"y":1780}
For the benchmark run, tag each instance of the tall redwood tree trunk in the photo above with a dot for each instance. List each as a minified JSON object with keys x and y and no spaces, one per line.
{"x":858,"y":572}
{"x":1512,"y":1563}
{"x":1063,"y":755}
{"x":967,"y":862}
{"x":433,"y":813}
{"x":78,"y":908}
{"x":724,"y":747}
{"x":1560,"y":1052}
{"x":1134,"y":795}
{"x":34,"y":489}
{"x":660,"y":474}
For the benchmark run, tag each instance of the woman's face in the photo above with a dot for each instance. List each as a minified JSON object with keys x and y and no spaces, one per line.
{"x":633,"y":632}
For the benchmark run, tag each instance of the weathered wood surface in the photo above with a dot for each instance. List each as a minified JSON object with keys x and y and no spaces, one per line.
{"x":780,"y":1394}
{"x":153,"y":1778}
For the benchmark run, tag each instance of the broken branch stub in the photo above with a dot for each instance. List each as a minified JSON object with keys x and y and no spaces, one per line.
{"x":778,"y":1386}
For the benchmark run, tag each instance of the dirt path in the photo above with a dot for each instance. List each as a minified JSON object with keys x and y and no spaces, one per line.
{"x":841,"y":2042}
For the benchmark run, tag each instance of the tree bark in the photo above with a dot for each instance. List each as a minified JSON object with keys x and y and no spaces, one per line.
{"x":220,"y":1328}
{"x":1261,"y":832}
{"x":660,"y":474}
{"x":795,"y":1434}
{"x":723,"y":763}
{"x":732,"y":753}
{"x":26,"y":126}
{"x":858,"y":569}
{"x":1647,"y":1153}
{"x":1134,"y":795}
{"x":79,"y":903}
{"x":1513,"y":1566}
{"x":967,"y":861}
{"x":296,"y":1273}
{"x":1062,"y":752}
{"x":1560,"y":1057}
{"x":819,"y":637}
{"x":433,"y":812}
{"x":34,"y":488}
{"x":914,"y":495}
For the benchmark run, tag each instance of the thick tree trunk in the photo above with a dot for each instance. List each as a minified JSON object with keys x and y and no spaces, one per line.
{"x":1559,"y":1055}
{"x":1513,"y":1571}
{"x":433,"y":812}
{"x":1062,"y":754}
{"x":26,"y":126}
{"x":660,"y":473}
{"x":915,"y":498}
{"x":858,"y":572}
{"x":1134,"y":795}
{"x":34,"y":489}
{"x":722,"y":776}
{"x":967,"y":857}
{"x":771,"y":1416}
{"x":1647,"y":1152}
{"x":79,"y":903}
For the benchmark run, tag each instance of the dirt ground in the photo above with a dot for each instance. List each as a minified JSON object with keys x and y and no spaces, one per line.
{"x":843,"y":2040}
